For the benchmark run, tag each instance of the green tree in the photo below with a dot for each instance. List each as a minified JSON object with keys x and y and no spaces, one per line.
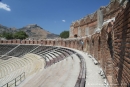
{"x":7,"y":35}
{"x":64,"y":34}
{"x":20,"y":35}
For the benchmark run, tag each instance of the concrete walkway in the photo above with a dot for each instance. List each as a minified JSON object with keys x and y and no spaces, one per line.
{"x":93,"y":79}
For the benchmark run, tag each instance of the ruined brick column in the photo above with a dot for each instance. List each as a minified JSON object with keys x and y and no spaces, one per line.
{"x":96,"y":46}
{"x":106,"y":51}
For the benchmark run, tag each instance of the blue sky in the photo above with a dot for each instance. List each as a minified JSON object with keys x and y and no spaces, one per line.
{"x":52,"y":15}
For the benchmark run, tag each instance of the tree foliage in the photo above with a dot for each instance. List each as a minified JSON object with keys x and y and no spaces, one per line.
{"x":7,"y":35}
{"x":20,"y":35}
{"x":64,"y":34}
{"x":17,"y":35}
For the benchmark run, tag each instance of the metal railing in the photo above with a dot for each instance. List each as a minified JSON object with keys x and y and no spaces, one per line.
{"x":15,"y":82}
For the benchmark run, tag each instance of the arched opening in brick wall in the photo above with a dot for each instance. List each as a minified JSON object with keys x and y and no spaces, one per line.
{"x":109,"y":42}
{"x":75,"y":35}
{"x":33,"y":42}
{"x":2,"y":41}
{"x":41,"y":42}
{"x":45,"y":42}
{"x":53,"y":43}
{"x":88,"y":47}
{"x":25,"y":41}
{"x":99,"y":49}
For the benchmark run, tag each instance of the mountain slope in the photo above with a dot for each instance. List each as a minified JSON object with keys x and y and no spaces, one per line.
{"x":33,"y":30}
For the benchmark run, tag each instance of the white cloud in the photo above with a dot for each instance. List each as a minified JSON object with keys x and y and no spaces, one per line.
{"x":63,"y":21}
{"x":4,"y":6}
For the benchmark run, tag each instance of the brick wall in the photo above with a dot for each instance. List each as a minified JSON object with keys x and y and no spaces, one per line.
{"x":121,"y":46}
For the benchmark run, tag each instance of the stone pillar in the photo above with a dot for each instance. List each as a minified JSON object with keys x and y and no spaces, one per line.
{"x":99,"y":20}
{"x":87,"y":31}
{"x":79,"y":31}
{"x":71,"y":32}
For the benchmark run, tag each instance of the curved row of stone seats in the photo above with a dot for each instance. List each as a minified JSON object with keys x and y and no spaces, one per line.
{"x":13,"y":67}
{"x":67,"y":51}
{"x":51,"y":49}
{"x":38,"y":61}
{"x":70,"y":51}
{"x":62,"y":74}
{"x":6,"y":48}
{"x":21,"y":50}
{"x":62,"y":51}
{"x":10,"y":71}
{"x":52,"y":57}
{"x":46,"y":56}
{"x":42,"y":49}
{"x":57,"y":57}
{"x":39,"y":49}
{"x":62,"y":56}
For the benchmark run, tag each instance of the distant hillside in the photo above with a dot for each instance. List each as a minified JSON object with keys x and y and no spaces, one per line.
{"x":6,"y":29}
{"x":33,"y":30}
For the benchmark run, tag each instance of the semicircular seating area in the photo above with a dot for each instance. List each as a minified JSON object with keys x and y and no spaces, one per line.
{"x":41,"y":66}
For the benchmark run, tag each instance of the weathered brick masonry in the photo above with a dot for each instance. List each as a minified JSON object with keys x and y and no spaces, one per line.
{"x":121,"y":48}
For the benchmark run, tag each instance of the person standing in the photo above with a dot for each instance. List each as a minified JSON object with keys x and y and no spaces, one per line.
{"x":82,"y":44}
